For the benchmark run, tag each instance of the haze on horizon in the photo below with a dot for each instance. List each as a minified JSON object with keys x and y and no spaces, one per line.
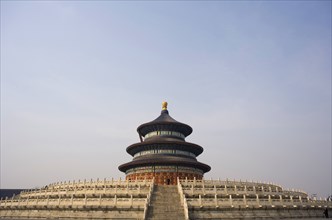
{"x":253,"y":79}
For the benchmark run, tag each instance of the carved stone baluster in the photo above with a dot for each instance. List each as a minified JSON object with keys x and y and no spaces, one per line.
{"x":257,"y":200}
{"x":115,"y":200}
{"x":245,"y":200}
{"x":216,"y":201}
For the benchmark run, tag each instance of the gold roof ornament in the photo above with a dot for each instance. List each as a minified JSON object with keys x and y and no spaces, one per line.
{"x":164,"y":106}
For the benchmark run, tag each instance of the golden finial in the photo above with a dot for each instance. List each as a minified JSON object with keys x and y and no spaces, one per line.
{"x":164,"y":105}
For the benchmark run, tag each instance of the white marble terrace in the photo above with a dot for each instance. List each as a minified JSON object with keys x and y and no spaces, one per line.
{"x":93,"y":194}
{"x":243,"y":194}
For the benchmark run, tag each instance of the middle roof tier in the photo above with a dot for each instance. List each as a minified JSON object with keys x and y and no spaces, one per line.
{"x":164,"y":144}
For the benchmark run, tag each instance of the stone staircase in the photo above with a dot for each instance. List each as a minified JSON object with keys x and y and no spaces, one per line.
{"x":165,"y":204}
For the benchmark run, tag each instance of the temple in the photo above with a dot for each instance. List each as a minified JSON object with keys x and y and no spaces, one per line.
{"x":163,"y":181}
{"x":163,"y":153}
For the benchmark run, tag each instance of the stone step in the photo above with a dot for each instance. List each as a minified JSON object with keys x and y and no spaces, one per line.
{"x":166,"y":217}
{"x":168,"y":201}
{"x":167,"y":196}
{"x":168,"y":213}
{"x":165,"y":204}
{"x":166,"y":209}
{"x":176,"y":213}
{"x":163,"y":198}
{"x":162,"y":202}
{"x":166,"y":193}
{"x":166,"y":190}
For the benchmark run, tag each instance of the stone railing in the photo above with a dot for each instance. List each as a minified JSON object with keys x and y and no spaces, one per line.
{"x":225,"y":191}
{"x":108,"y":188}
{"x":116,"y":194}
{"x":245,"y":201}
{"x":234,"y":186}
{"x":228,"y":194}
{"x":72,"y":203}
{"x":148,"y":199}
{"x":95,"y":183}
{"x":224,"y":182}
{"x":95,"y":191}
{"x":183,"y":200}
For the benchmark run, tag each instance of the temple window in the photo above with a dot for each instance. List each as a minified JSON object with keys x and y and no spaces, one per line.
{"x":165,"y":151}
{"x":164,"y":133}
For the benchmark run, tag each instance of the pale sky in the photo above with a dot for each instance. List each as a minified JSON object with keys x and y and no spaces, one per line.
{"x":253,"y":79}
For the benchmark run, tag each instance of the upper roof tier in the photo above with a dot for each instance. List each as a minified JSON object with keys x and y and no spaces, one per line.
{"x":164,"y":123}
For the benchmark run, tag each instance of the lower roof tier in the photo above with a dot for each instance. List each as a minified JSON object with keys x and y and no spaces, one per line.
{"x":165,"y":160}
{"x":165,"y":144}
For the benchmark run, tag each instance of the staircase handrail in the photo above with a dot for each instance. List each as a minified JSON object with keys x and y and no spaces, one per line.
{"x":183,"y":200}
{"x":148,"y":199}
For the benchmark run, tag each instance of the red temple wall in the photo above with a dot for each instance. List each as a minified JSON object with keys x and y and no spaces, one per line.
{"x":164,"y":178}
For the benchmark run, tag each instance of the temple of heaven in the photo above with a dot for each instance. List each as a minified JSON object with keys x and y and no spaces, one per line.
{"x":163,"y":153}
{"x":163,"y":181}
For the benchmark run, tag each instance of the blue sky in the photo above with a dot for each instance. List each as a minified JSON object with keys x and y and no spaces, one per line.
{"x":253,"y":79}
